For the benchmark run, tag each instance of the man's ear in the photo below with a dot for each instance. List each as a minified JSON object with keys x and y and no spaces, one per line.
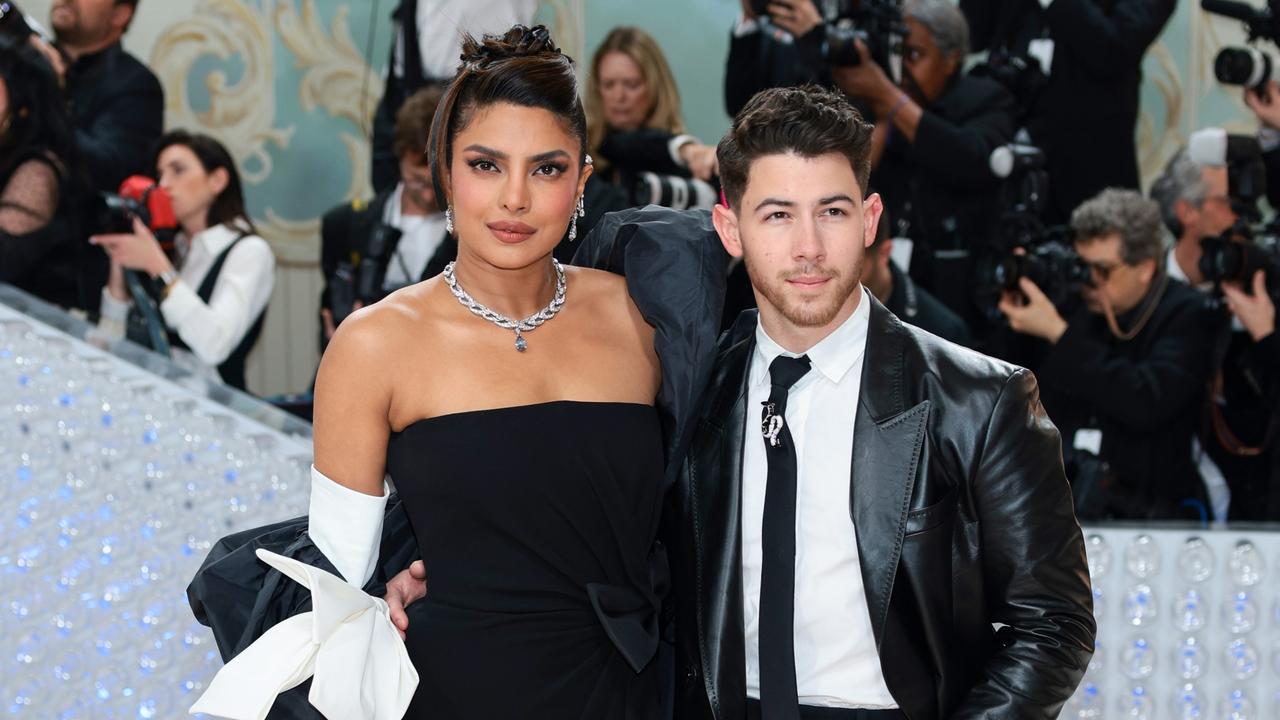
{"x":1147,"y":270}
{"x":726,"y":222}
{"x":121,"y":16}
{"x":872,"y":208}
{"x":1187,"y":214}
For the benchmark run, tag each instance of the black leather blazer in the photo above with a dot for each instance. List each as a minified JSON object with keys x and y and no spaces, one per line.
{"x":964,"y":519}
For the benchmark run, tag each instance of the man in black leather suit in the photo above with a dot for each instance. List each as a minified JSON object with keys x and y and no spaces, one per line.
{"x":924,"y":499}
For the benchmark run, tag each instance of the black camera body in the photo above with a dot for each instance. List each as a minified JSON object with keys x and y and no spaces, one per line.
{"x":1223,"y":259}
{"x":1021,"y":75}
{"x":878,"y":24}
{"x":1023,"y":246}
{"x":364,"y":276}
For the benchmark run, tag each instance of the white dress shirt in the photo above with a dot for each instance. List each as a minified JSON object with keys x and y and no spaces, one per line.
{"x":836,"y":660}
{"x":421,"y":237}
{"x":240,"y":294}
{"x":442,"y":22}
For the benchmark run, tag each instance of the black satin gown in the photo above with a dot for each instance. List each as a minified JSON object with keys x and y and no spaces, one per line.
{"x":537,"y":525}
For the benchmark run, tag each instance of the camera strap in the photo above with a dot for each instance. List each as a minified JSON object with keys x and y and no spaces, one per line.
{"x":1152,"y":300}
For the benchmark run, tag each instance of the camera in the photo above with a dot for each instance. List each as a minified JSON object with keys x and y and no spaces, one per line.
{"x":1248,"y":246}
{"x":1246,"y":66}
{"x":673,"y":191}
{"x":1021,"y":75}
{"x":139,"y":197}
{"x":17,"y":24}
{"x":877,"y":23}
{"x":363,"y":279}
{"x":1023,"y":246}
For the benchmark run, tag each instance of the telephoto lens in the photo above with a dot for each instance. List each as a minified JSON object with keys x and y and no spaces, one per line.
{"x":1246,"y":66}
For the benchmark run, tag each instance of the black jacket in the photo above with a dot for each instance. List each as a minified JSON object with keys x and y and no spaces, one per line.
{"x":916,"y":306}
{"x":1085,"y":116}
{"x":963,"y":518}
{"x":117,"y":107}
{"x":1245,"y":412}
{"x":758,"y":62}
{"x":1144,"y":394}
{"x":939,"y":190}
{"x":344,"y":235}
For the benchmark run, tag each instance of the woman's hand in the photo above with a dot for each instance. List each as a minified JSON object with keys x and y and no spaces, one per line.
{"x":407,"y":587}
{"x":138,"y":250}
{"x":700,"y":159}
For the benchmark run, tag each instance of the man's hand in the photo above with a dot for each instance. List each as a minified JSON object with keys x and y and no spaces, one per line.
{"x":1037,"y":316}
{"x":326,"y":319}
{"x":1256,"y":312}
{"x":53,"y":56}
{"x":867,"y":81}
{"x":797,"y":17}
{"x":700,"y":159}
{"x":1266,"y":108}
{"x":406,"y":588}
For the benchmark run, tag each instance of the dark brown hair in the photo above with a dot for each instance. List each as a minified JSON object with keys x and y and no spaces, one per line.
{"x":229,"y":205}
{"x":413,"y":122}
{"x":807,"y":121}
{"x":522,"y":67}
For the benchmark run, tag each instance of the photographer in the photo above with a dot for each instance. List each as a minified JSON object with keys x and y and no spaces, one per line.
{"x":780,"y":48}
{"x":428,"y":41}
{"x":934,"y":136}
{"x":214,"y":288}
{"x":370,"y":249}
{"x":1196,"y":202}
{"x":900,"y":294}
{"x":1124,"y":378}
{"x":39,"y":244}
{"x":1193,"y":204}
{"x":635,"y":133}
{"x":117,"y":104}
{"x":1079,"y":89}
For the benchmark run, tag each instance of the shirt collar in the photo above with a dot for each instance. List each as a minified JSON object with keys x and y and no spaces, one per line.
{"x":1175,"y":271}
{"x":833,"y":356}
{"x":217,"y":238}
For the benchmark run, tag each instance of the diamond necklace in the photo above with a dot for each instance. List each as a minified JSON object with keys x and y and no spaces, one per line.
{"x":520,"y":326}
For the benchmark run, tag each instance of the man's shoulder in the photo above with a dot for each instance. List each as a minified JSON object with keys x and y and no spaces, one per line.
{"x":950,"y":366}
{"x":130,"y":71}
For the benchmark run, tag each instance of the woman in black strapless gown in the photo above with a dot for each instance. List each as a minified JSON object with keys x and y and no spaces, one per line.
{"x":537,"y":558}
{"x":530,"y":464}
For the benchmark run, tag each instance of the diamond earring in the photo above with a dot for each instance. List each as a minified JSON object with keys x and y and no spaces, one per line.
{"x":581,"y":211}
{"x":448,"y":219}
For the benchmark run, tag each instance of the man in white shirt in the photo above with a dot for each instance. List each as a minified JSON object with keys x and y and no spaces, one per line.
{"x":846,"y":552}
{"x":369,"y":249}
{"x":428,"y":42}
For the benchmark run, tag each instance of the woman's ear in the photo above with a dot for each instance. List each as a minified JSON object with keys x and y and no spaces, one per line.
{"x":218,"y":180}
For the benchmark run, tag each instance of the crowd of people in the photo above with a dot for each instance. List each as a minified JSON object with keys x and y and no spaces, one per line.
{"x":1159,"y":366}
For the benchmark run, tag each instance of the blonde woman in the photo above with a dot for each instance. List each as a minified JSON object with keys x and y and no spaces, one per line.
{"x":633,"y":113}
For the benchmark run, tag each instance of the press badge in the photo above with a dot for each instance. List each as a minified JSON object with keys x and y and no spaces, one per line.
{"x":1089,"y":440}
{"x":1042,"y":50}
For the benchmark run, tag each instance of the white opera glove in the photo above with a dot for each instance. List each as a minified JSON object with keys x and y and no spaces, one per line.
{"x":346,"y":525}
{"x":362,"y":670}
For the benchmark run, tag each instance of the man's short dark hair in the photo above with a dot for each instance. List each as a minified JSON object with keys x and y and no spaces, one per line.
{"x":412,"y":132}
{"x":807,"y":121}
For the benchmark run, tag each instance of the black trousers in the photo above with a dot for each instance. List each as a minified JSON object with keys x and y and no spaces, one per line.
{"x":809,"y":712}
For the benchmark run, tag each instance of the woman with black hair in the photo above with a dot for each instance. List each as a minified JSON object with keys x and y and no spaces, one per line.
{"x":39,"y":251}
{"x":512,"y":401}
{"x":215,"y":283}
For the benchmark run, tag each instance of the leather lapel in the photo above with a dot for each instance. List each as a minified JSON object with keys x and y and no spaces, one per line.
{"x":887,"y":440}
{"x":715,"y":487}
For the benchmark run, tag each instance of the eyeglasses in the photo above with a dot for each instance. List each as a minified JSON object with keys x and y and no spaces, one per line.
{"x":1102,"y":271}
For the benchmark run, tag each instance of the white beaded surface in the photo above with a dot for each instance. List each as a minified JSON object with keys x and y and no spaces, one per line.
{"x":114,"y":484}
{"x":1188,"y":625}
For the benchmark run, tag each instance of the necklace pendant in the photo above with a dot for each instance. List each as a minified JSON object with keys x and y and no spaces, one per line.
{"x":521,"y":343}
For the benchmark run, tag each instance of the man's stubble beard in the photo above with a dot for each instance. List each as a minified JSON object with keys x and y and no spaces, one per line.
{"x":807,"y":314}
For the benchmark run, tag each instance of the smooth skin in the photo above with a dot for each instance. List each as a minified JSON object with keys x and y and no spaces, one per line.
{"x":420,"y":354}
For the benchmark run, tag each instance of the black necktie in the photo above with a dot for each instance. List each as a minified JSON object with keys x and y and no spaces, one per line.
{"x":779,"y":699}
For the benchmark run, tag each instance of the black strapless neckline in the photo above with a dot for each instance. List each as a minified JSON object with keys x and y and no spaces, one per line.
{"x":537,"y":524}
